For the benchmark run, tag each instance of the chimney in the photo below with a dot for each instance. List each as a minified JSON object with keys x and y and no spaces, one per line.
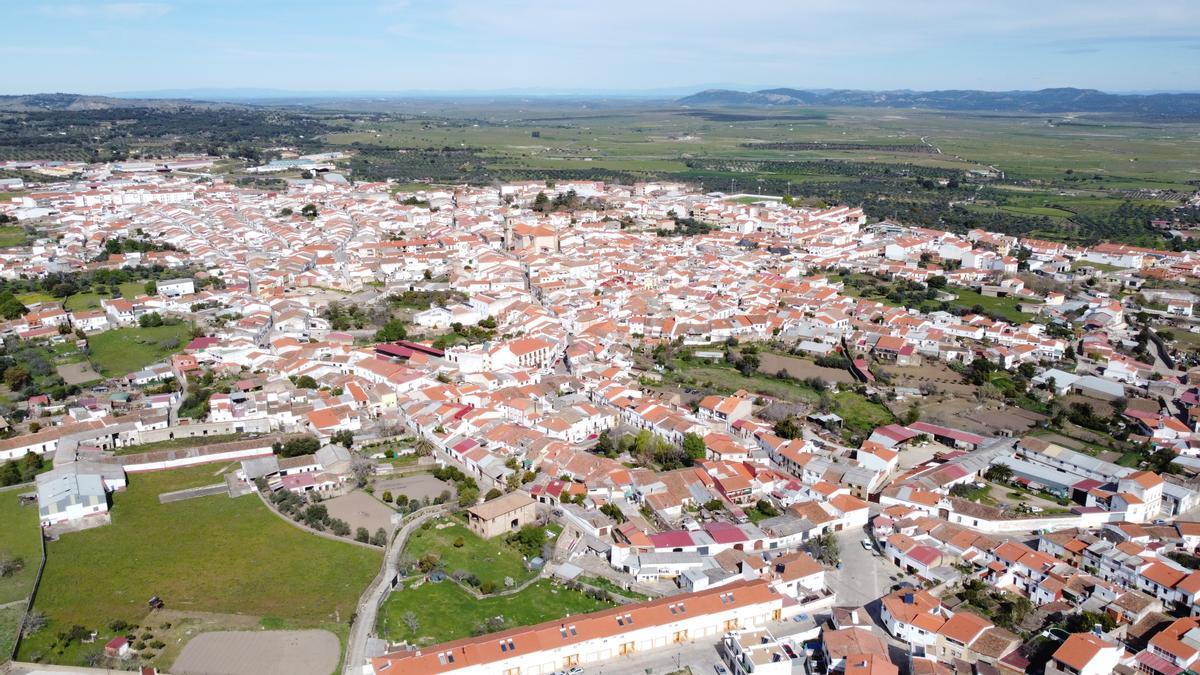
{"x":854,"y":616}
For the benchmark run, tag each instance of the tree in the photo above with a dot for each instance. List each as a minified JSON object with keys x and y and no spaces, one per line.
{"x":16,"y":377}
{"x":541,"y":202}
{"x":362,"y":535}
{"x":423,"y":447}
{"x":787,"y":428}
{"x":304,"y":445}
{"x":999,"y":473}
{"x":492,"y":494}
{"x":392,"y":330}
{"x":613,"y":511}
{"x":309,"y":211}
{"x":694,"y":446}
{"x":825,"y":548}
{"x":343,"y":437}
{"x":604,"y":445}
{"x":468,"y":497}
{"x":306,"y":382}
{"x":766,"y":508}
{"x":339,"y":527}
{"x":151,"y":287}
{"x":9,"y":473}
{"x":912,"y":414}
{"x":380,"y":537}
{"x":528,"y":540}
{"x":410,"y":620}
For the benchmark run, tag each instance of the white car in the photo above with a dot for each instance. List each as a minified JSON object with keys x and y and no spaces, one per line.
{"x":867,"y":545}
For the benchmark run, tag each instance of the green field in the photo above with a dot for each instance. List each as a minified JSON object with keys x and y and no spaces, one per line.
{"x":444,"y":612}
{"x":20,"y":537}
{"x":1063,"y":178}
{"x":210,"y":554}
{"x":12,"y":236}
{"x":124,"y":350}
{"x":725,"y":379}
{"x":1005,"y":308}
{"x":34,"y":298}
{"x":488,"y":559}
{"x":860,"y":415}
{"x":10,"y":622}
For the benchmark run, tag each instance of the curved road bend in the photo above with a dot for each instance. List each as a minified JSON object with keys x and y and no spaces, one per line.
{"x":368,"y":604}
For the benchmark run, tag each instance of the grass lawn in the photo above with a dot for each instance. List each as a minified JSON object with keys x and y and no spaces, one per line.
{"x":860,"y":415}
{"x":12,"y":236}
{"x":82,"y":302}
{"x":20,"y":537}
{"x":10,"y":621}
{"x":1099,"y":267}
{"x":132,"y":289}
{"x":1005,"y":308}
{"x":187,"y":442}
{"x":91,"y":300}
{"x":982,"y":495}
{"x":489,"y":559}
{"x":125,"y":350}
{"x":446,"y":612}
{"x":601,"y":582}
{"x":212,"y":554}
{"x":726,"y":380}
{"x":34,"y":298}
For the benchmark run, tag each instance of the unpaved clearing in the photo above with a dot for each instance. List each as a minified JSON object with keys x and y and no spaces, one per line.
{"x":292,"y":652}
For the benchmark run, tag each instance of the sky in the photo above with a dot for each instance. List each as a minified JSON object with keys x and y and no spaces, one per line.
{"x":102,"y":47}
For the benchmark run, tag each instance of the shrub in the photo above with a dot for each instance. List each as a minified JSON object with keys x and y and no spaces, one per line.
{"x":488,"y":587}
{"x":459,"y":542}
{"x":387,"y":497}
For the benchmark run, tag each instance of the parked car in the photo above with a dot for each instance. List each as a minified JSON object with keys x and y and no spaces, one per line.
{"x":867,"y":545}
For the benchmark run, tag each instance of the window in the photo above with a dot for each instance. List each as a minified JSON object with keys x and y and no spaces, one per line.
{"x":562,"y":631}
{"x":620,"y":621}
{"x":629,"y":619}
{"x":682,"y":609}
{"x":672,"y":608}
{"x":573,"y":631}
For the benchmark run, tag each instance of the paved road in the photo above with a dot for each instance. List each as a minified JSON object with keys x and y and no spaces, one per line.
{"x":368,"y":604}
{"x":864,"y":577}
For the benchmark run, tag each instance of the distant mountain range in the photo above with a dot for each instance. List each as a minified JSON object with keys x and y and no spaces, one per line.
{"x":76,"y":102}
{"x":1041,"y":101}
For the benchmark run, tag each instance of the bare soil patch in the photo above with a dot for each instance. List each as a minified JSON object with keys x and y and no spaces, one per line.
{"x":293,"y":652}
{"x":78,"y":373}
{"x":418,"y":486}
{"x":360,"y":509}
{"x":800,"y":369}
{"x":945,"y":380}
